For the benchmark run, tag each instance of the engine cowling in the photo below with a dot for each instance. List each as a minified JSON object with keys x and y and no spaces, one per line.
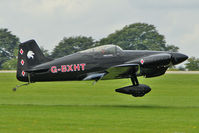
{"x":158,"y":60}
{"x":153,"y":72}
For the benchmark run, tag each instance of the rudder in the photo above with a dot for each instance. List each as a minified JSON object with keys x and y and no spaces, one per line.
{"x":29,"y":55}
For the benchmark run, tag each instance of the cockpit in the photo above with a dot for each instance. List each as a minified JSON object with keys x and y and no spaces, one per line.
{"x":105,"y":50}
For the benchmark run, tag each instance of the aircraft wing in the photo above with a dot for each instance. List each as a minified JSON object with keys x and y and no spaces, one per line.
{"x":121,"y":71}
{"x":115,"y":72}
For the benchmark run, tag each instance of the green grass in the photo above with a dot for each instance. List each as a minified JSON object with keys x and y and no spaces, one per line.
{"x":79,"y":107}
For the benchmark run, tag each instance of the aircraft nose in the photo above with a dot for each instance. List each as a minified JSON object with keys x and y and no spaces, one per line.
{"x":178,"y":58}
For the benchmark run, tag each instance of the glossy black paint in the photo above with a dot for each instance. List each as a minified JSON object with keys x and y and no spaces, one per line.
{"x":151,"y":63}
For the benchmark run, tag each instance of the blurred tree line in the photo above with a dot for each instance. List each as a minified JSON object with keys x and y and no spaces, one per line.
{"x":8,"y":49}
{"x":138,"y":36}
{"x":192,"y":64}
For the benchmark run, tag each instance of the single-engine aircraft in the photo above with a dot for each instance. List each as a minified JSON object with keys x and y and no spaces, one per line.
{"x":98,"y":63}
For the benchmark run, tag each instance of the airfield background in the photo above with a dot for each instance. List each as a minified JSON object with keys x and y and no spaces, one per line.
{"x":171,"y":107}
{"x":62,"y":27}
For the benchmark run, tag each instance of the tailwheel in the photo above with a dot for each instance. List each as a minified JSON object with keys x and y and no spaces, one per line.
{"x":29,"y":81}
{"x":14,"y":89}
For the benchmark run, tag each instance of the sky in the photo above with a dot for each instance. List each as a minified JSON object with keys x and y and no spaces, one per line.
{"x":48,"y":21}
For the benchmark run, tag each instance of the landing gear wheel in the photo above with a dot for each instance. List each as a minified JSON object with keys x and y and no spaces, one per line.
{"x":14,"y":89}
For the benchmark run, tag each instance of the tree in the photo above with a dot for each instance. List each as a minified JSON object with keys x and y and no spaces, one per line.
{"x":71,"y":45}
{"x":171,"y":48}
{"x":11,"y":64}
{"x":193,"y":64}
{"x":45,"y":52}
{"x":138,"y":36}
{"x":8,"y":44}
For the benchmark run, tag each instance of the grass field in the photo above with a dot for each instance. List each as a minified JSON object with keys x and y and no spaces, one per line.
{"x":79,"y":107}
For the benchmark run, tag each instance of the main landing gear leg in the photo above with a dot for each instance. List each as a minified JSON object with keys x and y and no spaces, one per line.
{"x":134,"y":80}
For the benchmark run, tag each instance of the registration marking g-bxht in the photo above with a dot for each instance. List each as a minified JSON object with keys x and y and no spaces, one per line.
{"x":68,"y":68}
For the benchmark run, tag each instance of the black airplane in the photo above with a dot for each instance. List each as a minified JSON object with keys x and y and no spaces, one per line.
{"x":99,"y":63}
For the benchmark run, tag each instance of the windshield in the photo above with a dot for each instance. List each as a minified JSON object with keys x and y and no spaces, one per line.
{"x":104,"y":49}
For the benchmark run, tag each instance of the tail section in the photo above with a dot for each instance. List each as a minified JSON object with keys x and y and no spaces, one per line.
{"x":29,"y":55}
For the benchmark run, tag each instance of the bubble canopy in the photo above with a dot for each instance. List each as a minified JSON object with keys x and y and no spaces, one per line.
{"x":104,"y":49}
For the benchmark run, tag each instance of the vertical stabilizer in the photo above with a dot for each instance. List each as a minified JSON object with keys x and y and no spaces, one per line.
{"x":29,"y":55}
